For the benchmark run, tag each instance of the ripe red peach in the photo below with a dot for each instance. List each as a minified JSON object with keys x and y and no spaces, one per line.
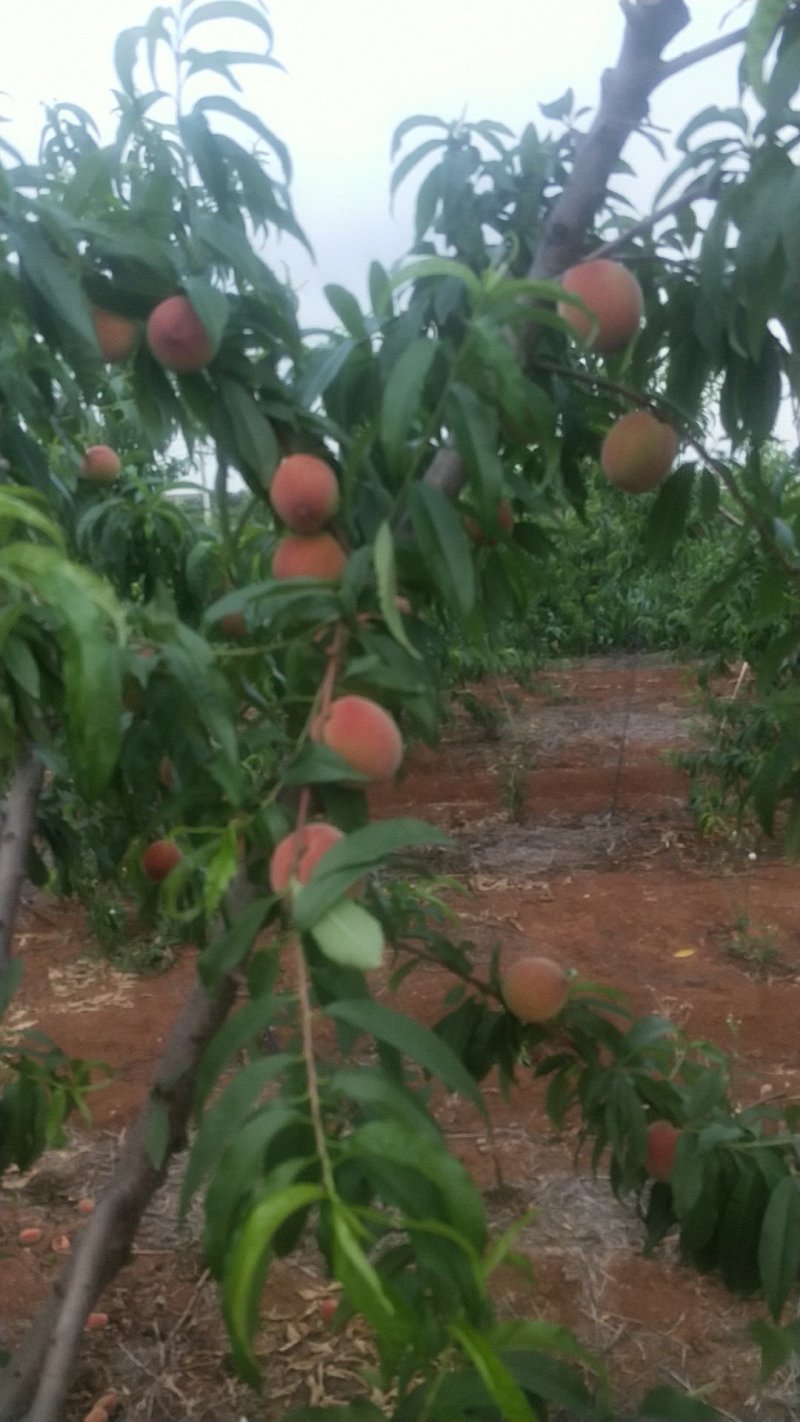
{"x":176,"y":336}
{"x":363,"y":734}
{"x":314,"y":555}
{"x":295,"y":856}
{"x":304,"y":492}
{"x":535,"y":989}
{"x":233,"y":625}
{"x":614,"y":297}
{"x":116,"y":336}
{"x":160,"y":858}
{"x":101,"y":464}
{"x":662,"y":1140}
{"x":505,"y":520}
{"x":638,"y":452}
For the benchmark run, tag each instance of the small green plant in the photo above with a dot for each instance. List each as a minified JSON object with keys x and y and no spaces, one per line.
{"x":757,"y":948}
{"x":512,"y":775}
{"x":129,"y":945}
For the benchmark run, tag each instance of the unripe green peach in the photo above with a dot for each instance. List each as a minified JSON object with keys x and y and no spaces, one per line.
{"x":614,"y":297}
{"x":535,"y":989}
{"x":638,"y":452}
{"x":363,"y":734}
{"x":176,"y":336}
{"x":304,"y":492}
{"x":295,"y":856}
{"x":314,"y":555}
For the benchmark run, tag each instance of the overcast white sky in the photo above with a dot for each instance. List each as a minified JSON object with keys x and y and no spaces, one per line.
{"x":355,"y":69}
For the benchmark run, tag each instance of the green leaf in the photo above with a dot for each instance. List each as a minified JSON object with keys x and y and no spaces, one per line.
{"x":411,"y":1038}
{"x":667,"y":517}
{"x":666,"y":1404}
{"x":226,"y":1117}
{"x":352,"y":858}
{"x":415,"y":121}
{"x":495,"y":1376}
{"x":210,"y":305}
{"x":777,"y":1344}
{"x":359,"y":1277}
{"x":255,"y":438}
{"x":444,"y":546}
{"x":241,"y":1030}
{"x":158,"y":1131}
{"x":410,"y":161}
{"x":402,"y":396}
{"x":475,"y":433}
{"x":761,"y":31}
{"x":58,"y":284}
{"x":222,"y":105}
{"x":384,"y":562}
{"x":91,"y":658}
{"x":228,"y":10}
{"x":380,"y":290}
{"x":227,"y":951}
{"x":779,"y":1244}
{"x":347,"y":309}
{"x":350,"y":936}
{"x":246,"y":1268}
{"x":439,"y":267}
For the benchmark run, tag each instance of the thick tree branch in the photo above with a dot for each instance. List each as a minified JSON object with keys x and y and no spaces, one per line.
{"x":626,"y":90}
{"x":34,"y":1383}
{"x":18,"y":817}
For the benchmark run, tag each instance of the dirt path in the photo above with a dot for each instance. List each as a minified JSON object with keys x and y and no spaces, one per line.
{"x":573,"y":838}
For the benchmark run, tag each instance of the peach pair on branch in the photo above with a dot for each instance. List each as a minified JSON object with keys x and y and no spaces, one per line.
{"x":304,"y":493}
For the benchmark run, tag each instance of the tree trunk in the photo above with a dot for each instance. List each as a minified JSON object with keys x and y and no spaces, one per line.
{"x":15,"y":837}
{"x":34,"y":1384}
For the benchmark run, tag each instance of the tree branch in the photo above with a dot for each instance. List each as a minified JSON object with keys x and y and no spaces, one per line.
{"x":625,"y":93}
{"x":646,"y":223}
{"x":703,"y":51}
{"x":35,"y":1381}
{"x":17,"y":828}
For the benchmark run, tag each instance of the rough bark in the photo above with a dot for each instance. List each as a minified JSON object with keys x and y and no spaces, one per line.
{"x":34,"y":1383}
{"x":15,"y":836}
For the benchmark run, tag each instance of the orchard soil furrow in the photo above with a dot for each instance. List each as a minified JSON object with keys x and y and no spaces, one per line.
{"x":572,"y":835}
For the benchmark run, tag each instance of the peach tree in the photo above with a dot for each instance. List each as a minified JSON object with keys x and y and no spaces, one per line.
{"x":203,"y":706}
